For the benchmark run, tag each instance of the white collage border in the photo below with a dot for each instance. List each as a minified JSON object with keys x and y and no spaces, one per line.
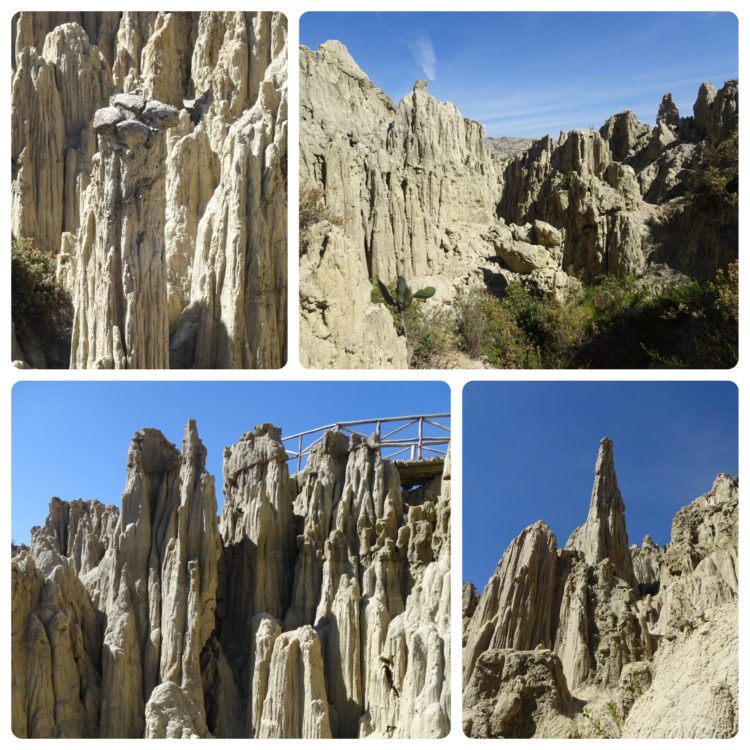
{"x":293,"y":9}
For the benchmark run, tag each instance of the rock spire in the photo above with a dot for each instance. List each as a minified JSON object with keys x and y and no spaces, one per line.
{"x":317,"y":606}
{"x":604,"y":535}
{"x":580,"y":642}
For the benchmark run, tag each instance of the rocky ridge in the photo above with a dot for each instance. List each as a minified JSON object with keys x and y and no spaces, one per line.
{"x":316,"y":605}
{"x":602,"y":639}
{"x":145,"y":144}
{"x":415,"y":189}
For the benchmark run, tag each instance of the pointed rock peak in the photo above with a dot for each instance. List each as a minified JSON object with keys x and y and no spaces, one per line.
{"x":605,"y":496}
{"x":724,"y":484}
{"x":725,"y":489}
{"x":524,"y":584}
{"x":193,"y":449}
{"x":260,"y":446}
{"x":667,"y":103}
{"x":604,"y":535}
{"x":337,"y":53}
{"x":706,"y":96}
{"x":469,"y":599}
{"x":333,"y":443}
{"x":268,"y":429}
{"x":534,"y":541}
{"x":605,"y":455}
{"x":707,"y":90}
{"x":668,"y":113}
{"x":420,"y":85}
{"x":68,"y":37}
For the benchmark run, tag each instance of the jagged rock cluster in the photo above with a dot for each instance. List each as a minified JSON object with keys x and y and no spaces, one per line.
{"x":415,"y":189}
{"x":617,"y":192}
{"x":603,"y":639}
{"x":316,"y":605}
{"x":149,"y":157}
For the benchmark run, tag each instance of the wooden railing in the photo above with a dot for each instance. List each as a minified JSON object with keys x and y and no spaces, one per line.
{"x":413,"y":438}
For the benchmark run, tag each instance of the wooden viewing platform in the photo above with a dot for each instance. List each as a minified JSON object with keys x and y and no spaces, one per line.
{"x":417,"y":443}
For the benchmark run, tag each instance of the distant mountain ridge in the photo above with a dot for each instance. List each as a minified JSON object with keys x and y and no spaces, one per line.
{"x":508,"y":145}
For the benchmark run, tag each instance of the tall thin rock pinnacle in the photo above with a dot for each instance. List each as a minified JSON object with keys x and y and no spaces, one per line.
{"x":604,"y":534}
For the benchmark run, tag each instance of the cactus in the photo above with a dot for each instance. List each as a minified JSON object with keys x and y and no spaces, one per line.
{"x":401,"y":301}
{"x":404,"y":295}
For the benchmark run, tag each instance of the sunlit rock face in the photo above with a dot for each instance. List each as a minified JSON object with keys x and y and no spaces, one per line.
{"x":604,"y":640}
{"x":316,"y":605}
{"x":415,"y":189}
{"x":150,"y":157}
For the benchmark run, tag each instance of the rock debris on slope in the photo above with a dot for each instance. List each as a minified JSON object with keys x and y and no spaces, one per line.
{"x":598,"y":639}
{"x":316,"y":605}
{"x":149,"y":156}
{"x":415,"y":189}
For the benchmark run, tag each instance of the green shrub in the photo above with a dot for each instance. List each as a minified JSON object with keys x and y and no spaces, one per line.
{"x":527,"y":309}
{"x":565,"y":329}
{"x":487,"y":329}
{"x":40,"y":306}
{"x":715,"y":183}
{"x":428,"y":335}
{"x":428,"y":332}
{"x":617,"y":322}
{"x":685,"y":324}
{"x":611,"y":297}
{"x":708,"y":316}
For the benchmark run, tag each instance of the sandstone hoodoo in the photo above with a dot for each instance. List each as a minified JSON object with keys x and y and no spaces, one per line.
{"x":316,"y":605}
{"x":615,"y":218}
{"x":149,"y":189}
{"x":602,"y":639}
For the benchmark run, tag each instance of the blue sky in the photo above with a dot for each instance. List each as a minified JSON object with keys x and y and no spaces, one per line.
{"x":71,"y":439}
{"x":529,"y":74}
{"x":541,"y":440}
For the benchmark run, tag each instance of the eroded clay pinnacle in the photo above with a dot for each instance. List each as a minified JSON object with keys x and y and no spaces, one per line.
{"x":604,"y":535}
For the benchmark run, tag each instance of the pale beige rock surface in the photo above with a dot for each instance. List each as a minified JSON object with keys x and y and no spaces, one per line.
{"x":415,"y":189}
{"x":604,"y":535}
{"x":236,"y":315}
{"x":120,"y":292}
{"x":172,"y":244}
{"x":394,"y":177}
{"x":339,"y":325}
{"x":317,"y":606}
{"x":638,"y":642}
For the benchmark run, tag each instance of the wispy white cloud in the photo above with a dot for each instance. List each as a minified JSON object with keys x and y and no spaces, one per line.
{"x":423,"y":52}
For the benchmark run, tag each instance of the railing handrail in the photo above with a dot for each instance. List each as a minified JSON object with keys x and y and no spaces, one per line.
{"x":418,"y":444}
{"x":382,"y":420}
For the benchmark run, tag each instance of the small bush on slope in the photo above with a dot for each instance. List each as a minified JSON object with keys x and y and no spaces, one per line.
{"x":429,"y":336}
{"x":489,"y":329}
{"x":428,"y":331}
{"x":312,"y":209}
{"x":40,"y":306}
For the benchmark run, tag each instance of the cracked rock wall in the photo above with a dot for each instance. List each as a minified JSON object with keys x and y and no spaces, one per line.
{"x":317,"y":605}
{"x":168,"y":220}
